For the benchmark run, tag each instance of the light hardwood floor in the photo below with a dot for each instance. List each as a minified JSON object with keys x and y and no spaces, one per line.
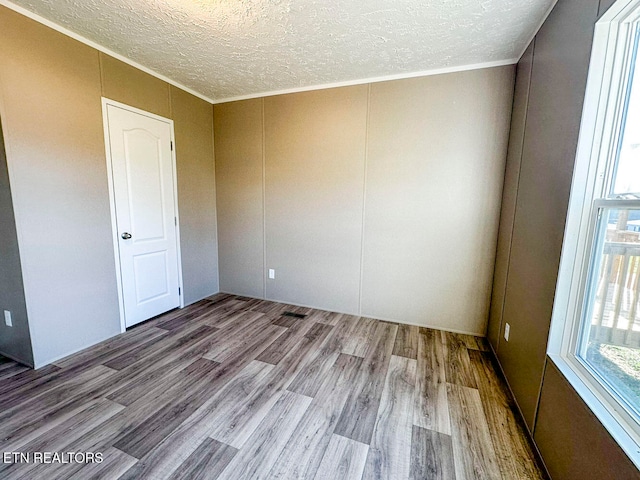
{"x":234,"y":388}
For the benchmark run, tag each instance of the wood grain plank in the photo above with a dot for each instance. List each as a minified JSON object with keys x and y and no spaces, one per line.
{"x":268,"y":420}
{"x":160,"y":368}
{"x":16,"y":381}
{"x":361,"y":336}
{"x":473,"y":343}
{"x":458,"y":365}
{"x":431,"y":456}
{"x":131,"y":418}
{"x":218,"y":297}
{"x":309,"y":379}
{"x":223,"y":300}
{"x":262,"y":449}
{"x":167,"y":456}
{"x":285,"y":321}
{"x":390,"y":452}
{"x":164,"y":344}
{"x":193,"y":392}
{"x":358,"y":417}
{"x":514,"y":453}
{"x":37,"y":387}
{"x":12,"y":369}
{"x":483,"y":344}
{"x":240,"y":422}
{"x":114,"y":464}
{"x":431,"y":404}
{"x":235,"y":402}
{"x":228,"y":317}
{"x":60,"y":435}
{"x":344,"y":459}
{"x":406,"y":342}
{"x":329,"y":318}
{"x":303,"y":453}
{"x":186,"y":315}
{"x":270,"y":308}
{"x":234,"y":336}
{"x":473,"y":452}
{"x":112,"y":347}
{"x":278,"y":349}
{"x":232,"y":343}
{"x":208,"y":461}
{"x":298,"y":309}
{"x":238,"y":321}
{"x":176,"y":312}
{"x":22,"y":424}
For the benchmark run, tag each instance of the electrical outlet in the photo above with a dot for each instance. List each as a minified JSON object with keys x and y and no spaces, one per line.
{"x":272,"y":273}
{"x":507,"y":329}
{"x":7,"y":318}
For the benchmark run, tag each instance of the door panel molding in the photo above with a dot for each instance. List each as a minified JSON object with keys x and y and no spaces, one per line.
{"x":106,"y":103}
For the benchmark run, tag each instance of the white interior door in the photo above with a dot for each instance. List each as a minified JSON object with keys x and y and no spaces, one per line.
{"x":140,"y":147}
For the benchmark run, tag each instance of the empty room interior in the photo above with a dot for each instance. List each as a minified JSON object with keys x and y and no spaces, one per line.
{"x":320,"y":240}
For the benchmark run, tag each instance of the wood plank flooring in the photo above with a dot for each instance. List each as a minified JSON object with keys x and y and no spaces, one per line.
{"x":234,"y":388}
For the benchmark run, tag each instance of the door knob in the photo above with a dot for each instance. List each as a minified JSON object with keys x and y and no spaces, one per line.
{"x":126,"y":236}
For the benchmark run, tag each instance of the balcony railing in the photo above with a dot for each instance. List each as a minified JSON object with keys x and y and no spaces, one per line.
{"x":616,"y":318}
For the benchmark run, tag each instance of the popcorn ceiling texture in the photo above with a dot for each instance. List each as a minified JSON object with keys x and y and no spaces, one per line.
{"x":230,"y":48}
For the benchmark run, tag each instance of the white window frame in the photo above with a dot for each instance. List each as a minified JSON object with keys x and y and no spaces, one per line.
{"x":599,"y":134}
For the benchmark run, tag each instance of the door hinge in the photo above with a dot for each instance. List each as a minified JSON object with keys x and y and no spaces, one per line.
{"x":172,"y":145}
{"x":179,"y":291}
{"x":175,"y":221}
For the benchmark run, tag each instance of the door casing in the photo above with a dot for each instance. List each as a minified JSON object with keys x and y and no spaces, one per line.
{"x":112,"y":200}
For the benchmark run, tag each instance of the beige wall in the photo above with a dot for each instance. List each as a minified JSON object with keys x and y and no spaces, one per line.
{"x":193,"y":119}
{"x":50,"y":97}
{"x":435,"y":167}
{"x":372,"y":201}
{"x":238,"y":147}
{"x":50,"y":105}
{"x":314,"y":177}
{"x":126,"y":84}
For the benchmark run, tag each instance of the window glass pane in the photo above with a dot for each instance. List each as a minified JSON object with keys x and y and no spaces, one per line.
{"x":626,"y":181}
{"x":610,"y":341}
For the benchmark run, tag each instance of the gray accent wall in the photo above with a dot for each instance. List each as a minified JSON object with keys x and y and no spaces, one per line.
{"x":558,"y":81}
{"x":15,"y":341}
{"x":367,"y":199}
{"x":509,"y":194}
{"x":549,"y":95}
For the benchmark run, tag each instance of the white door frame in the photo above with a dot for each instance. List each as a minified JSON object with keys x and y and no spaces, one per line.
{"x":112,"y":199}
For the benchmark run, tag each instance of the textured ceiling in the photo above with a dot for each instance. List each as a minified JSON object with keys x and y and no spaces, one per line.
{"x":231,"y":48}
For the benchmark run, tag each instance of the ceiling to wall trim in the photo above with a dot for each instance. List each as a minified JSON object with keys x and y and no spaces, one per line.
{"x":535,"y":32}
{"x":436,"y":71}
{"x":92,"y":44}
{"x":386,"y":78}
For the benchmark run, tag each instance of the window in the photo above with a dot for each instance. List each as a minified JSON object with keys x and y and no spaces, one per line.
{"x":595,"y":334}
